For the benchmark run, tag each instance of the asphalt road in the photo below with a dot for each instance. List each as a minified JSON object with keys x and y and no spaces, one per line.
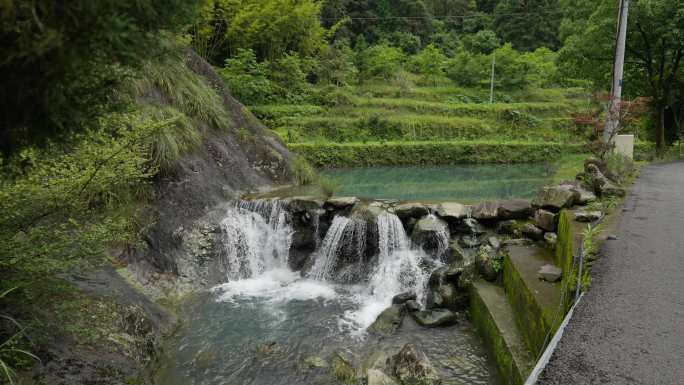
{"x":629,"y":328}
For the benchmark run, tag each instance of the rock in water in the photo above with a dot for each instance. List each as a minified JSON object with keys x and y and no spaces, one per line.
{"x":388,"y":321}
{"x":514,"y":209}
{"x":469,"y":241}
{"x":377,"y":377}
{"x":412,"y":366}
{"x":342,"y":202}
{"x":452,"y":211}
{"x":432,"y":234}
{"x":545,"y":220}
{"x":435,"y":318}
{"x":343,"y":369}
{"x":315,"y":362}
{"x":411,"y":210}
{"x":470,"y":226}
{"x":486,"y":210}
{"x":550,"y":273}
{"x":403,"y":298}
{"x":456,"y":253}
{"x":588,"y":216}
{"x":412,"y":306}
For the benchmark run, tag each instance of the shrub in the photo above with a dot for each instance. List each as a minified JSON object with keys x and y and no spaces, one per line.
{"x":288,"y":76}
{"x":429,"y":62}
{"x":247,"y":79}
{"x":381,"y":61}
{"x":336,"y":65}
{"x":483,"y":42}
{"x":467,"y":69}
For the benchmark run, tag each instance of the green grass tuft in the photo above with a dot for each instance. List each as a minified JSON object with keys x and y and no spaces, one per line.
{"x":183,"y":89}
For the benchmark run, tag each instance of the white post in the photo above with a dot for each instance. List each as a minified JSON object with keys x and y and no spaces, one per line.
{"x":613,"y":118}
{"x":491,"y":87}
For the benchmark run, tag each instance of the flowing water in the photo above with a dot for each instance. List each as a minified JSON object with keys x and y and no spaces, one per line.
{"x":268,"y":325}
{"x":461,"y":183}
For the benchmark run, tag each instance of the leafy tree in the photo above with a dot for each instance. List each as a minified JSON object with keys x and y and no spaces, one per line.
{"x":468,"y":69}
{"x":484,"y":41}
{"x":655,"y":49}
{"x":288,"y":74}
{"x":248,"y":79}
{"x":512,"y":72}
{"x":528,"y":24}
{"x":336,"y":64}
{"x":543,"y":71}
{"x":269,"y":27}
{"x":429,"y":62}
{"x":381,"y":60}
{"x":62,"y":61}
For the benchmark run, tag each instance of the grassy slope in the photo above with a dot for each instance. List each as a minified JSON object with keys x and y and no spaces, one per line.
{"x":438,"y":120}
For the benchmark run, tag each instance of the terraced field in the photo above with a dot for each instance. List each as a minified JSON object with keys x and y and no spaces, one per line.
{"x":379,"y":113}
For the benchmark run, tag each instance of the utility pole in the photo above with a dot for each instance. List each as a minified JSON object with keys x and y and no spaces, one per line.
{"x":613,"y":118}
{"x":491,"y":87}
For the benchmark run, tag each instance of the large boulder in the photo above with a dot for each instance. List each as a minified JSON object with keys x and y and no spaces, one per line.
{"x":515,"y":209}
{"x":341,"y":203}
{"x":412,"y":367}
{"x":602,"y":185}
{"x":411,"y":210}
{"x":448,"y":287}
{"x":452,"y":211}
{"x":432,"y":234}
{"x":403,"y":297}
{"x":303,"y":204}
{"x":433,"y":318}
{"x":510,"y":227}
{"x":389,"y":321}
{"x":555,"y":198}
{"x":487,"y":210}
{"x":470,"y":226}
{"x":503,"y":210}
{"x":545,"y":220}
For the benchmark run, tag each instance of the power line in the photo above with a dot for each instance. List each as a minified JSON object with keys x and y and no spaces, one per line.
{"x":447,"y":17}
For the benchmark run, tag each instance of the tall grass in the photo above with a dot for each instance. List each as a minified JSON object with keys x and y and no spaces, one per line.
{"x":183,"y":89}
{"x":170,"y":141}
{"x":8,"y":351}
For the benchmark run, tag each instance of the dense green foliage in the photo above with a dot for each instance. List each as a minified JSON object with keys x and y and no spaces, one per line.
{"x":417,"y":153}
{"x":62,"y":61}
{"x":655,"y":49}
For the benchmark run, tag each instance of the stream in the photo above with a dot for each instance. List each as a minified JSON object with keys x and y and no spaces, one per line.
{"x":268,"y":325}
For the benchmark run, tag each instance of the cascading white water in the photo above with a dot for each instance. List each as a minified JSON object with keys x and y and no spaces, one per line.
{"x":441,"y":238}
{"x":398,"y":270}
{"x":257,"y":238}
{"x":258,"y":235}
{"x":326,"y":255}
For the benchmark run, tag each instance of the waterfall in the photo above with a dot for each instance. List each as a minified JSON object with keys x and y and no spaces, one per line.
{"x":257,"y":237}
{"x":326,"y":255}
{"x":398,"y":269}
{"x":441,"y":239}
